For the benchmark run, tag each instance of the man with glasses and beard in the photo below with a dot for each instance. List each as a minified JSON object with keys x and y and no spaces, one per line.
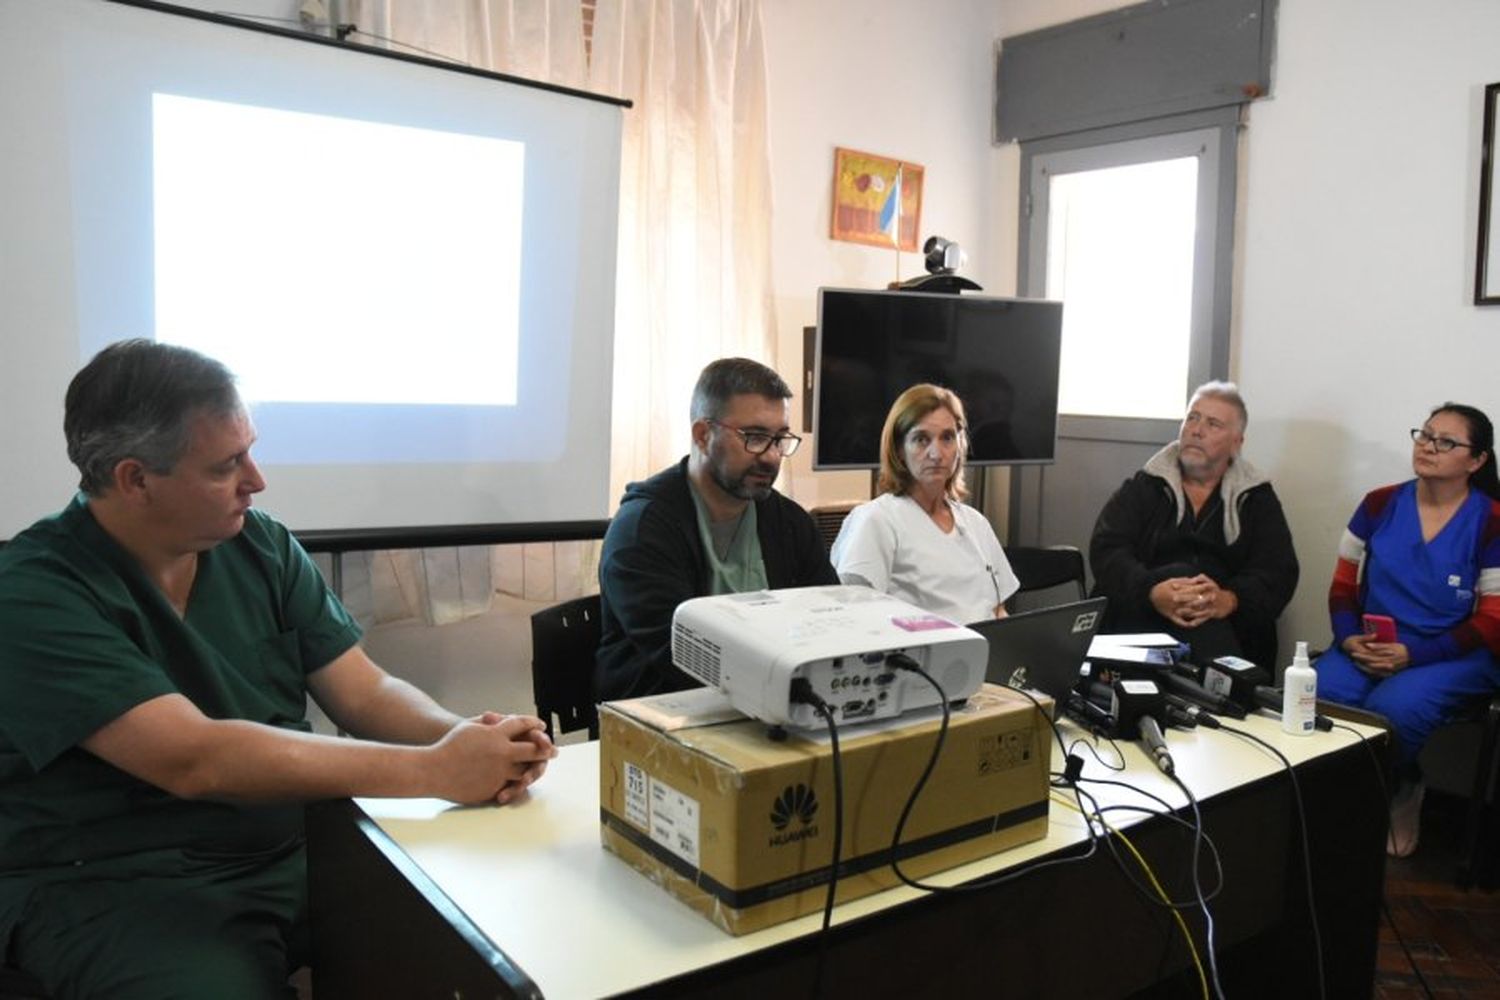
{"x":711,"y":524}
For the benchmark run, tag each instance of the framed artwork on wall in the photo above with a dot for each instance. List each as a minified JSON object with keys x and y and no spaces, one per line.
{"x":1487,"y":271}
{"x":877,"y":200}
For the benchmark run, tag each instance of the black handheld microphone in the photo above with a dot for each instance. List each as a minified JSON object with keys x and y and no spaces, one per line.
{"x":1196,"y":715}
{"x":1200,"y":695}
{"x":1181,"y":714}
{"x":1128,"y":701}
{"x":1138,"y":709}
{"x":1269,"y":697}
{"x":1235,"y":678}
{"x":1090,"y":714}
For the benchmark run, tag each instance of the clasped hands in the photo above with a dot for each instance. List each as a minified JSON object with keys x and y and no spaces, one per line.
{"x":492,"y":758}
{"x":1380,"y":659}
{"x":1189,"y":601}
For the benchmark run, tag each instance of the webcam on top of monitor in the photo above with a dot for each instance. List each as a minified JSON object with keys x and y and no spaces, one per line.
{"x":943,"y":258}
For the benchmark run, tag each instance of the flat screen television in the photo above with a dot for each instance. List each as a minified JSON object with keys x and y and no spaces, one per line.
{"x":1000,"y":355}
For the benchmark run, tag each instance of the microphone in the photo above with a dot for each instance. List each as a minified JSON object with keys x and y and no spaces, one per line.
{"x":1129,"y":701}
{"x":1156,"y":743}
{"x":1181,"y":714}
{"x":1090,"y":714}
{"x":1138,"y":706}
{"x":1200,"y":695}
{"x":1269,"y":697}
{"x":1196,"y":714}
{"x":1235,"y":678}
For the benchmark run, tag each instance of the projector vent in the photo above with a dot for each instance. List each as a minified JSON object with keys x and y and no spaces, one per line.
{"x":696,"y":655}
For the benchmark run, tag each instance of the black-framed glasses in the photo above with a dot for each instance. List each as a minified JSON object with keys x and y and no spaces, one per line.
{"x":759,"y":442}
{"x":1442,"y":444}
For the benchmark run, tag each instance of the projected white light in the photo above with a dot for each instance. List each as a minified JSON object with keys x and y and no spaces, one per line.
{"x":344,"y":311}
{"x":410,"y":267}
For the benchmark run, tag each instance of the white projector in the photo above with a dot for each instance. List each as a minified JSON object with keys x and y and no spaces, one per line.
{"x":840,"y":640}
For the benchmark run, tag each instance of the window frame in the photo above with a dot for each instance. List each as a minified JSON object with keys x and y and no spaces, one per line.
{"x":1218,"y":131}
{"x":1212,"y":136}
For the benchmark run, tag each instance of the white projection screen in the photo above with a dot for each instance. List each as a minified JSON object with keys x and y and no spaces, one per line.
{"x":410,"y":267}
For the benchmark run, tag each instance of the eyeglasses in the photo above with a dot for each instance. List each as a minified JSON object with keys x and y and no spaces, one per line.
{"x":759,"y":442}
{"x":1442,"y":444}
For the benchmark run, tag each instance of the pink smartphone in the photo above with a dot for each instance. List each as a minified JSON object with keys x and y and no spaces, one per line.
{"x":1381,"y":628}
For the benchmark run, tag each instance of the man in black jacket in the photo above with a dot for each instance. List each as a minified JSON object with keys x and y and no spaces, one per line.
{"x":1196,"y":544}
{"x":711,"y":524}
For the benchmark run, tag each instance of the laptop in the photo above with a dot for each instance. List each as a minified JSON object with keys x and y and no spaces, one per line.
{"x":1041,"y":649}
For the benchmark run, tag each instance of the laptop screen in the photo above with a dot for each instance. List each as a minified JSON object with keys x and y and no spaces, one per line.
{"x":1041,"y":649}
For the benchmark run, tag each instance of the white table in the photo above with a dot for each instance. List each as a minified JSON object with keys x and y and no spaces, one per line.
{"x":533,"y":880}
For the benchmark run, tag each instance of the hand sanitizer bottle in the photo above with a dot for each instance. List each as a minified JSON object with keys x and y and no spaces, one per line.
{"x":1299,"y":695}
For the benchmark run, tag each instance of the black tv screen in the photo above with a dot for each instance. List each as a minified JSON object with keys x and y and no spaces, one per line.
{"x":1000,"y":355}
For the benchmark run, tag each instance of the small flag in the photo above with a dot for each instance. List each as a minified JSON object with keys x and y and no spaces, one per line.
{"x":890,"y":212}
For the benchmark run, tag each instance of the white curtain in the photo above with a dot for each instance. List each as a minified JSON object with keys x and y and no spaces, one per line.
{"x":535,"y":39}
{"x":695,"y":209}
{"x":539,"y":41}
{"x":694,"y":274}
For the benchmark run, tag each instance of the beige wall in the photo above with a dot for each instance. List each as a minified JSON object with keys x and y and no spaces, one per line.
{"x":1357,"y":221}
{"x":912,"y":81}
{"x":1357,"y":270}
{"x":1355,"y":250}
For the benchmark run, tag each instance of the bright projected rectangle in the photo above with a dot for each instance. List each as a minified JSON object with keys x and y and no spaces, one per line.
{"x":399,"y":188}
{"x":410,"y":267}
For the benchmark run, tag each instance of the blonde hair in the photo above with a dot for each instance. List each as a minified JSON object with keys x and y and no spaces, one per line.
{"x":910,"y":409}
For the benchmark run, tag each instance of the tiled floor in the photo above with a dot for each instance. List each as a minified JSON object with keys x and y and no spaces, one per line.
{"x":1453,"y":935}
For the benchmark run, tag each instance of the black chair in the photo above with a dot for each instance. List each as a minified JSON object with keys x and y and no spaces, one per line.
{"x":1040,"y":568}
{"x":564,"y":639}
{"x":1462,"y":758}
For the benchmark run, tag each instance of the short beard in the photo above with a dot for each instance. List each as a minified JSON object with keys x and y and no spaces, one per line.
{"x":1198,"y":469}
{"x":737,"y":486}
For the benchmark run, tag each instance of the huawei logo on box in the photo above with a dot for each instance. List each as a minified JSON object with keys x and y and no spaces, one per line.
{"x":795,"y":802}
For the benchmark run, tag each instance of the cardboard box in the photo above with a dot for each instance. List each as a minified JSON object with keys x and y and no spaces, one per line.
{"x":740,"y":826}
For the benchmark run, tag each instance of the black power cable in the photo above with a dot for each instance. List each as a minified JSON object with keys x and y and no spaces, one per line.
{"x":1068,"y":779}
{"x":1312,"y":909}
{"x":803,"y":692}
{"x":902,"y":662}
{"x":1208,"y":917}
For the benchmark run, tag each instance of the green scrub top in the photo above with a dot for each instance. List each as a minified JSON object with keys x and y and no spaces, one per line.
{"x":84,"y":637}
{"x":741,"y":569}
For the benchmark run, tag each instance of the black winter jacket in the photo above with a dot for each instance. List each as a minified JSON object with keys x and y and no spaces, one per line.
{"x":1138,"y":542}
{"x":653,"y":560}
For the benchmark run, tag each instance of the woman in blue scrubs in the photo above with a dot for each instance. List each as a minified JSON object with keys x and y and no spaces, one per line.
{"x":1426,"y":554}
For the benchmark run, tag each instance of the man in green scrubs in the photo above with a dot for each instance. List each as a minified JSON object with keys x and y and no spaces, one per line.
{"x":158,"y":640}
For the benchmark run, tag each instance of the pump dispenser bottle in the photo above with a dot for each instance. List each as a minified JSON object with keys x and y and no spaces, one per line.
{"x":1299,"y":695}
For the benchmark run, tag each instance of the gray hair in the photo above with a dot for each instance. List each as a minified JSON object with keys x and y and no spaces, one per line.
{"x":1228,"y":392}
{"x":726,"y":378}
{"x":138,"y":399}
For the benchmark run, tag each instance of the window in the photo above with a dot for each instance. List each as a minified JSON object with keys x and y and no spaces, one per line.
{"x":1130,"y":227}
{"x":1120,"y":254}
